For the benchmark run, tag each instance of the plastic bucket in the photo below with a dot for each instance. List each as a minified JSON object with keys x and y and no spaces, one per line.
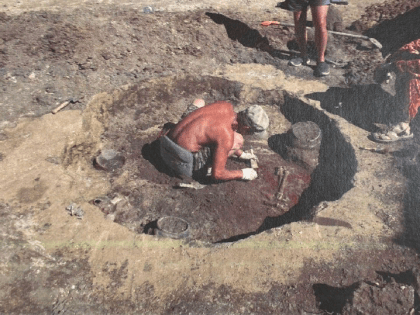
{"x":173,"y":227}
{"x":306,"y":135}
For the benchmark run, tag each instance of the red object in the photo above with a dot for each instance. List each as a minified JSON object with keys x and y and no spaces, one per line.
{"x":267,"y":23}
{"x":413,"y":68}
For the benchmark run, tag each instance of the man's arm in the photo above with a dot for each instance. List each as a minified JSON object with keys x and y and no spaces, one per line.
{"x":221,"y":153}
{"x":219,"y":171}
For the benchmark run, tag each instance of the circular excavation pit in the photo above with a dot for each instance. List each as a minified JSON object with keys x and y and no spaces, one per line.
{"x":146,"y":191}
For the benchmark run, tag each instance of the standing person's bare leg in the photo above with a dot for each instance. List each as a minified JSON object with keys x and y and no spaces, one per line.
{"x":300,"y":18}
{"x":319,"y":18}
{"x":301,"y":37}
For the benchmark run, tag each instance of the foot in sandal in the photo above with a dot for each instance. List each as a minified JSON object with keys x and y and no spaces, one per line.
{"x":400,"y":131}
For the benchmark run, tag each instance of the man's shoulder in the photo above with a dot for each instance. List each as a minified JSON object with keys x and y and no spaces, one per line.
{"x":223,"y":104}
{"x":225,"y":109}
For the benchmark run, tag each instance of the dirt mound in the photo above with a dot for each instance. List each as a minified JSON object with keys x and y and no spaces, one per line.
{"x":392,"y":298}
{"x":79,"y":53}
{"x":55,"y":56}
{"x":378,"y":13}
{"x":393,"y":23}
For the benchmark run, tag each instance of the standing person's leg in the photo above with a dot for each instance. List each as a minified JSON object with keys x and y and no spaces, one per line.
{"x":399,"y":116}
{"x":301,"y":38}
{"x":300,"y":12}
{"x":300,"y":18}
{"x":319,"y":18}
{"x":402,"y":99}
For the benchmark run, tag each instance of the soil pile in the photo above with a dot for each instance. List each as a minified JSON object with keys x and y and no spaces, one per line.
{"x":377,"y":13}
{"x":50,"y":57}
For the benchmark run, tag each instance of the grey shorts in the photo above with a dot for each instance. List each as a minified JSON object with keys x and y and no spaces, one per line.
{"x":202,"y":159}
{"x":300,"y":5}
{"x":183,"y":162}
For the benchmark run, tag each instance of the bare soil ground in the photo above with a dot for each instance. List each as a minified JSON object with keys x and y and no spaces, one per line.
{"x":128,"y":73}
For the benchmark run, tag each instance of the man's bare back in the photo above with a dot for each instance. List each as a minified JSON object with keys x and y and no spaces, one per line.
{"x":205,"y":126}
{"x":211,"y":134}
{"x":213,"y":126}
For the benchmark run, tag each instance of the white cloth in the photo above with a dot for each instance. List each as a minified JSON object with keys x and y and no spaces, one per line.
{"x":247,"y":156}
{"x":249,"y":174}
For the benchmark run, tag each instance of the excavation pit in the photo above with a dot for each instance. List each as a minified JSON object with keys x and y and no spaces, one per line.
{"x":232,"y":210}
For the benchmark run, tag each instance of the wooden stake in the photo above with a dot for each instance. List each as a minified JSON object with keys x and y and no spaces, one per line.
{"x":54,"y":111}
{"x":253,"y":162}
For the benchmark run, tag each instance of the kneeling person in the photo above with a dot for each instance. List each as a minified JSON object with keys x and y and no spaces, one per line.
{"x":207,"y":136}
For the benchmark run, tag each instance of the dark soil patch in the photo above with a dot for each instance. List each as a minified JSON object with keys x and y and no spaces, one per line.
{"x":220,"y":211}
{"x":225,"y":211}
{"x":76,"y":54}
{"x":380,"y":12}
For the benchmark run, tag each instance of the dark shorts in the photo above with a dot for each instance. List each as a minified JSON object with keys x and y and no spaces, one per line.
{"x":182,"y":161}
{"x":300,"y":5}
{"x":202,"y":159}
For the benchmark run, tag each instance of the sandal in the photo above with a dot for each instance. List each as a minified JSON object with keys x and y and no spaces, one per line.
{"x":398,"y":132}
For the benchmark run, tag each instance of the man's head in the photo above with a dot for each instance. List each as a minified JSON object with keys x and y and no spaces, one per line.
{"x":253,"y":120}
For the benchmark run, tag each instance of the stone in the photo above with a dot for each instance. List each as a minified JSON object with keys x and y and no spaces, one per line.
{"x":109,"y":160}
{"x":334,"y":19}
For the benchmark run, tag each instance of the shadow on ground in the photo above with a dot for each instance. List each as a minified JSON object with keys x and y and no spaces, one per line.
{"x":332,"y":177}
{"x":247,"y":36}
{"x":331,"y":299}
{"x":361,"y":105}
{"x":408,"y":162}
{"x":334,"y":174}
{"x":389,"y":293}
{"x":365,"y":105}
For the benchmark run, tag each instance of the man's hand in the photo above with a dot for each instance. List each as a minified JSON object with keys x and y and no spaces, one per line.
{"x":247,"y":156}
{"x":249,"y":174}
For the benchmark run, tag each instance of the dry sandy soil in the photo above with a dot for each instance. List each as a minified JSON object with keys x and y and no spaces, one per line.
{"x":345,"y":240}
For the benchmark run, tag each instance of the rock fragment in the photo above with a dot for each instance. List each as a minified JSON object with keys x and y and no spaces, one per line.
{"x":75,"y":210}
{"x":109,"y":160}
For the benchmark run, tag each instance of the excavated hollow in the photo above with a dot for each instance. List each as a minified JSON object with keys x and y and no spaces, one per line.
{"x":224,"y":211}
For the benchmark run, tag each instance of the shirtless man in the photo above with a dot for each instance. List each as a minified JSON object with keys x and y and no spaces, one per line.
{"x":208,"y":136}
